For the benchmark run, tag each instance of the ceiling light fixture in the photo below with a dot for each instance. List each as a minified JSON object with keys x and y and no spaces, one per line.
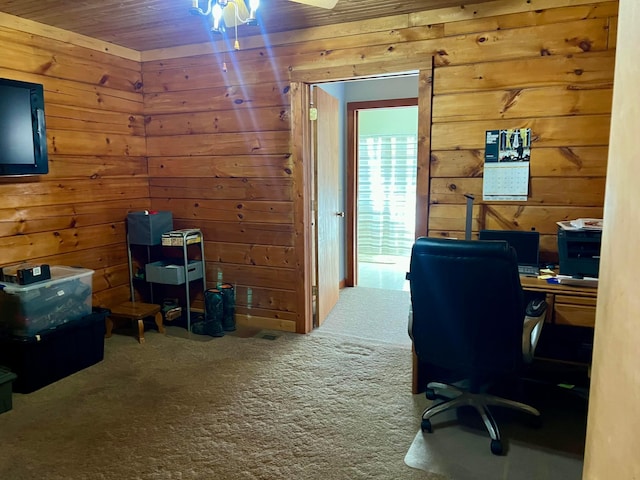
{"x":227,"y":13}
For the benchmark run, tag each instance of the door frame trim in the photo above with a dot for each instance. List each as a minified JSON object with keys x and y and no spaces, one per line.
{"x":302,"y":151}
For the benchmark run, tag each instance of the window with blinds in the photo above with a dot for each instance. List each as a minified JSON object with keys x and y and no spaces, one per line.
{"x":386,"y":196}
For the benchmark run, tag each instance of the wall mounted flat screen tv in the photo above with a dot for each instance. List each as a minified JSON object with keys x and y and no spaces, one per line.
{"x":23,"y":136}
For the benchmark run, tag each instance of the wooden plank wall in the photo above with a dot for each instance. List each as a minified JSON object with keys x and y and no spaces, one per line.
{"x":555,"y":77}
{"x":219,"y":145}
{"x":97,"y":167}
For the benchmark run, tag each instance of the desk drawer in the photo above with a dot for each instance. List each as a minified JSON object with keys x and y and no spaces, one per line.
{"x":574,"y":300}
{"x":576,"y":311}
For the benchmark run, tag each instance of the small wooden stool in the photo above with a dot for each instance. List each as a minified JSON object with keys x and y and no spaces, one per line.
{"x":135,"y":311}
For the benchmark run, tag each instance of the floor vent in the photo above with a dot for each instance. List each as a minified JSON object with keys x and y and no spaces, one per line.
{"x":268,"y":336}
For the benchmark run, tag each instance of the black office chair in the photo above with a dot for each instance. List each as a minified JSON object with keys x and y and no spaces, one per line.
{"x":467,"y":323}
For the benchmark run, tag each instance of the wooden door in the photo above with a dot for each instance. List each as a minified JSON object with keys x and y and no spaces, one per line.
{"x":328,"y":218}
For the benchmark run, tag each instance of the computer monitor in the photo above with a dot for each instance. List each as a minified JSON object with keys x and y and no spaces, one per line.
{"x":526,"y":244}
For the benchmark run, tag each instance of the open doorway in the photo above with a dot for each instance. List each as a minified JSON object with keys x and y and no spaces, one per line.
{"x":384,"y":163}
{"x":383,"y":205}
{"x":304,"y":161}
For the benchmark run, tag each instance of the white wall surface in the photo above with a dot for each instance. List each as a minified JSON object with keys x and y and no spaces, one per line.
{"x":381,"y":88}
{"x":613,"y":428}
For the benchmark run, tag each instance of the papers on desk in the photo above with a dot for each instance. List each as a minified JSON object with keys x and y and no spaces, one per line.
{"x":581,"y":224}
{"x":576,"y":282}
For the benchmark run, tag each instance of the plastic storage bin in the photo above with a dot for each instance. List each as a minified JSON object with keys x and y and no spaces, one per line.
{"x":6,"y":401}
{"x":171,"y":274}
{"x":42,"y":359}
{"x":29,"y":309}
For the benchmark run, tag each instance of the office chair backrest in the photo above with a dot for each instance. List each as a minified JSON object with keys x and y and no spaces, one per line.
{"x":468,"y":306}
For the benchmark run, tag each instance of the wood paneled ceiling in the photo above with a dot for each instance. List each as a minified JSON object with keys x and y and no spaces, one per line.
{"x":151,"y":24}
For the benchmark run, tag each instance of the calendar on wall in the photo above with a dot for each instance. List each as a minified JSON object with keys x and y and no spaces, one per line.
{"x":506,"y":164}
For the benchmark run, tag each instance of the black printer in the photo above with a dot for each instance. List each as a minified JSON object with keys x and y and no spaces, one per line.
{"x":579,"y":252}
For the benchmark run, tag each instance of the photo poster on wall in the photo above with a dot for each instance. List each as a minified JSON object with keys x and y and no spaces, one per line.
{"x":506,"y":164}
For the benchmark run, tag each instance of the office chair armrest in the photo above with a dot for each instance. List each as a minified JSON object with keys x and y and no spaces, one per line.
{"x":530,"y":335}
{"x":532,"y":328}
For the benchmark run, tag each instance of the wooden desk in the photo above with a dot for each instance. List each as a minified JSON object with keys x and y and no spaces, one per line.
{"x":566,"y":305}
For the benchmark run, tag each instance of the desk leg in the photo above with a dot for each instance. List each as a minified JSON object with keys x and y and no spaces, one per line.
{"x":418,"y":381}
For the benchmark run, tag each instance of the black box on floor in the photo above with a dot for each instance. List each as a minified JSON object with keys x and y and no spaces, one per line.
{"x":6,"y":377}
{"x":41,"y":359}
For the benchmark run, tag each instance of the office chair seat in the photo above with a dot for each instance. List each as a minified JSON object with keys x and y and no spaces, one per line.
{"x":468,"y":321}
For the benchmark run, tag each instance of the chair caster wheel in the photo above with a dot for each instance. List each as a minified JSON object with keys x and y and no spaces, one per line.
{"x":425,"y":426}
{"x":431,"y":394}
{"x":496,"y":447}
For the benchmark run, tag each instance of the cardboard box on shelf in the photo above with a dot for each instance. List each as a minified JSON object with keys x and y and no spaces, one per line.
{"x":177,"y":238}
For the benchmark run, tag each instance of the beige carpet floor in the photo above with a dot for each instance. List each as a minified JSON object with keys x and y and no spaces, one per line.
{"x":318,"y":406}
{"x":264,"y":405}
{"x":375,"y":314}
{"x":459,"y":447}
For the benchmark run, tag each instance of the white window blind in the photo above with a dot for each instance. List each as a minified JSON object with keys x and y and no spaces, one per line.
{"x":386,"y":196}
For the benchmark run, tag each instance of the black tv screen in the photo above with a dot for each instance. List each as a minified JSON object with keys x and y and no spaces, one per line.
{"x":23,"y":137}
